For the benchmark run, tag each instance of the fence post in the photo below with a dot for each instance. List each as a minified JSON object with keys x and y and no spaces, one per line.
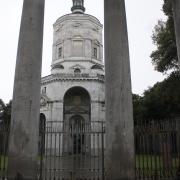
{"x":19,"y":177}
{"x":103,"y":133}
{"x":178,"y":146}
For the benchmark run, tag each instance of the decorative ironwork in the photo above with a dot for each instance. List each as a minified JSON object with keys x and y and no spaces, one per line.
{"x":157,"y":150}
{"x":73,"y":151}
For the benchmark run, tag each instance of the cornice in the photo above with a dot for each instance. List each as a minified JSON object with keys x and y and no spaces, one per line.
{"x":62,"y":101}
{"x":71,"y":77}
{"x":70,"y":59}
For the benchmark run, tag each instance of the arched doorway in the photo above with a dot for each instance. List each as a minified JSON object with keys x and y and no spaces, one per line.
{"x":77,"y":108}
{"x":77,"y":102}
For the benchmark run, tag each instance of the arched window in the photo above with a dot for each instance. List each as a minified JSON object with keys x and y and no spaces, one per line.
{"x":44,"y":90}
{"x":58,"y":66}
{"x":77,"y":71}
{"x":96,"y":66}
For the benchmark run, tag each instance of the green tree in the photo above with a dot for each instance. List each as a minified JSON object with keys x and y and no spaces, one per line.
{"x":164,"y":58}
{"x":162,"y":100}
{"x":2,"y":107}
{"x":5,"y":112}
{"x":138,"y":107}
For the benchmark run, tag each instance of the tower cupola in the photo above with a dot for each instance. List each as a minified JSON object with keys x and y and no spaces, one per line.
{"x":78,"y":7}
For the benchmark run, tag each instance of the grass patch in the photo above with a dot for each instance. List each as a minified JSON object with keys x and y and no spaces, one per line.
{"x":3,"y":163}
{"x":146,"y":165}
{"x":151,"y":165}
{"x":154,"y":162}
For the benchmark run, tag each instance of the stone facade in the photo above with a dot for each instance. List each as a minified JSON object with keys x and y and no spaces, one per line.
{"x":77,"y":61}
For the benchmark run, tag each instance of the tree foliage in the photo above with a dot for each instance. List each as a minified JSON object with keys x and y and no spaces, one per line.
{"x":165,"y":58}
{"x":160,"y":101}
{"x":138,"y":108}
{"x":5,"y":112}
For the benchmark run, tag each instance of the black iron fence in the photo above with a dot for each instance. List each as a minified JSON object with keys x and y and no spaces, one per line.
{"x":4,"y":133}
{"x":73,"y":150}
{"x":157,"y":146}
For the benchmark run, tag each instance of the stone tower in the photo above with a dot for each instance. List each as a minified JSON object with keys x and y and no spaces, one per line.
{"x":77,"y":61}
{"x":73,"y":95}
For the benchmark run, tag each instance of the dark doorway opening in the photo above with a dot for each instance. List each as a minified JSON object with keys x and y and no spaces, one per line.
{"x":77,"y":125}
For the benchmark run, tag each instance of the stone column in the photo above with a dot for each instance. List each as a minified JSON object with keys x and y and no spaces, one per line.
{"x":176,"y":11}
{"x":23,"y":145}
{"x":120,"y":164}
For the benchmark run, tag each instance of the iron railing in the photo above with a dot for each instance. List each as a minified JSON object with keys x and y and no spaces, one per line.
{"x":72,"y":151}
{"x":76,"y":151}
{"x":157,"y":150}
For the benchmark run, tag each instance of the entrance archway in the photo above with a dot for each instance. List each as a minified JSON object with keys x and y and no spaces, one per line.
{"x":77,"y":114}
{"x":77,"y":102}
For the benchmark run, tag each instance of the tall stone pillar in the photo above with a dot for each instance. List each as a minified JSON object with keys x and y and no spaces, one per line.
{"x":176,"y":11}
{"x":120,"y":164}
{"x":23,"y":145}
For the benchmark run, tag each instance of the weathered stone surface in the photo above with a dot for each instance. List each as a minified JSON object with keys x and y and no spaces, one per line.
{"x":68,"y":29}
{"x":176,"y":10}
{"x":23,"y":146}
{"x":119,"y":114}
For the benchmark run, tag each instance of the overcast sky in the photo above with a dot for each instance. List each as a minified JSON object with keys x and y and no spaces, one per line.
{"x":142,"y":15}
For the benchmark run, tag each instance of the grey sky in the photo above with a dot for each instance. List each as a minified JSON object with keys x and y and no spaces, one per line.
{"x":142,"y":15}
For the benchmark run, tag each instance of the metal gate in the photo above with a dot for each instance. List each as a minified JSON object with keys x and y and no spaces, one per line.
{"x":72,"y":151}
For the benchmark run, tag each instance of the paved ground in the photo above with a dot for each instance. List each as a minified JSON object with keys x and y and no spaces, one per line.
{"x":72,"y":167}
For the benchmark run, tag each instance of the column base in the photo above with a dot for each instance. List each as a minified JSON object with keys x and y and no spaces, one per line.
{"x":22,"y":168}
